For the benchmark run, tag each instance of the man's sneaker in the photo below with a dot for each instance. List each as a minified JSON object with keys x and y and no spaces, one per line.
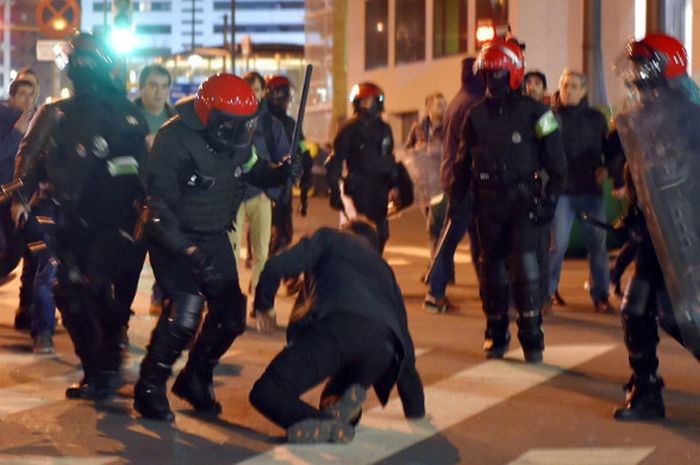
{"x":604,"y":306}
{"x":558,"y":299}
{"x":349,"y":406}
{"x":317,"y":430}
{"x":43,"y":343}
{"x":441,"y":305}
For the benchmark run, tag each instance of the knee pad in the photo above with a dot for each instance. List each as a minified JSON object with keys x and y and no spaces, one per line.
{"x":527,"y":286}
{"x":525,"y":268}
{"x":185,"y":313}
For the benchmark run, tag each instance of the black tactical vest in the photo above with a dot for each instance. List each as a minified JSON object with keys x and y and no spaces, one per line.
{"x":507,"y":153}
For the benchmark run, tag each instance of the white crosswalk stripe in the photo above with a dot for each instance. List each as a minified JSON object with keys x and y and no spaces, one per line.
{"x":448,"y":402}
{"x":585,"y":456}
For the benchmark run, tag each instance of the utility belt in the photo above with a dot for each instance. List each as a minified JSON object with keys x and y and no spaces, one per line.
{"x":493,"y":187}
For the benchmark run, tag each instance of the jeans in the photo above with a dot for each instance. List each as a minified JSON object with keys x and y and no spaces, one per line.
{"x":572,"y":207}
{"x":43,"y":266}
{"x":444,"y":264}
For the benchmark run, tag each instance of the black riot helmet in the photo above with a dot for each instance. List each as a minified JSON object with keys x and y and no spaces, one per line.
{"x":88,"y":63}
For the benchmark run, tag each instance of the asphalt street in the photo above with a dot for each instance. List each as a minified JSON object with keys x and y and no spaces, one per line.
{"x":479,"y":412}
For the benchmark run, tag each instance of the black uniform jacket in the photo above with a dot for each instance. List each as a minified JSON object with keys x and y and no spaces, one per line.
{"x":92,"y":149}
{"x":194,"y":189}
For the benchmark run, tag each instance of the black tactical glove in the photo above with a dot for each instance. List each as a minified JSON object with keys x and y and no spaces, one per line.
{"x":336,"y":201}
{"x":543,"y":210}
{"x":206,"y":274}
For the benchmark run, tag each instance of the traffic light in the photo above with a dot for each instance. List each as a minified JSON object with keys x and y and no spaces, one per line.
{"x":123,"y":37}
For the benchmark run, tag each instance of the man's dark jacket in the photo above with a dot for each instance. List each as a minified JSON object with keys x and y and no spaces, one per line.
{"x":584,"y":131}
{"x":347,"y":276}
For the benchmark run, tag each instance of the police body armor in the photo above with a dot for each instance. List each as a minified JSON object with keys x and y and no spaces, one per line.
{"x":97,"y":157}
{"x":213,"y":188}
{"x":507,"y":157}
{"x":662,"y":145}
{"x":371,"y":167}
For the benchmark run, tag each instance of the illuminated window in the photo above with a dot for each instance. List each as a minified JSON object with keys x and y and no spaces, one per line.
{"x":410,"y":31}
{"x":449,"y":27}
{"x":376,"y":33}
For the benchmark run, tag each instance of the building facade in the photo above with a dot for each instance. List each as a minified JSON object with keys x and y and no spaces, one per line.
{"x":165,"y":27}
{"x":412,"y":48}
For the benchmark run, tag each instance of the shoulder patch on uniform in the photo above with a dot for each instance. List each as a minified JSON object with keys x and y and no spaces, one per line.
{"x":546,"y":124}
{"x":248,"y":165}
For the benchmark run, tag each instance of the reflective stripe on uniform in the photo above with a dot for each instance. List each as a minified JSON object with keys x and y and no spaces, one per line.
{"x":546,"y":124}
{"x":247,"y":166}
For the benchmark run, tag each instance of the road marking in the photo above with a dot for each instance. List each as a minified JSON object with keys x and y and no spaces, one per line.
{"x":423,"y":252}
{"x":448,"y":402}
{"x":49,"y":460}
{"x":584,"y":456}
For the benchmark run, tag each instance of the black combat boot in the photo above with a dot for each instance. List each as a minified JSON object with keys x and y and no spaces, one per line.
{"x":150,"y":393}
{"x":196,"y":386}
{"x":643,"y":400}
{"x":101,"y":385}
{"x":531,"y":336}
{"x":496,"y":338}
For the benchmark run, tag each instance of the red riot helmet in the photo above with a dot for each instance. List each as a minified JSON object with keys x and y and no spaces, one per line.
{"x":275,"y":82}
{"x":279,"y":91}
{"x":658,"y":56}
{"x":227,"y":106}
{"x":502,"y":55}
{"x":363,"y":90}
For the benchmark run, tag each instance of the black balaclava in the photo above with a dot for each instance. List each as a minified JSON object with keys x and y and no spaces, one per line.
{"x":497,"y":84}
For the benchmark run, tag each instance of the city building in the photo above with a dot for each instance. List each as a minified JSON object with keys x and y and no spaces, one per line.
{"x":165,"y":27}
{"x":415,"y":47}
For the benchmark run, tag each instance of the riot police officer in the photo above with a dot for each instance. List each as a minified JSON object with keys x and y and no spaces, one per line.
{"x":278,"y":95}
{"x":197,"y":168}
{"x":507,"y":140}
{"x":365,"y":145}
{"x":659,"y":135}
{"x":91,"y":148}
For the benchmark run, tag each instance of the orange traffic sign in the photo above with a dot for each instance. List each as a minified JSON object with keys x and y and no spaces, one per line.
{"x":58,"y":19}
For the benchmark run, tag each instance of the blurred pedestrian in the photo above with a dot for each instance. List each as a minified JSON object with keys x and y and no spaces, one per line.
{"x":154,"y":102}
{"x":271,"y":144}
{"x":471,"y":92}
{"x":584,"y":133}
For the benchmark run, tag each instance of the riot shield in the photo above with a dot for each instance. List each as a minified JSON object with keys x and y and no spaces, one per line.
{"x":423,"y":166}
{"x":661,"y":138}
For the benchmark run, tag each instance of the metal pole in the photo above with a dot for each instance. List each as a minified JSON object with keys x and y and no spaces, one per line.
{"x":593,"y":52}
{"x":225,"y":67}
{"x":233,"y":36}
{"x":104,"y":13}
{"x":192,"y":45}
{"x":6,"y":56}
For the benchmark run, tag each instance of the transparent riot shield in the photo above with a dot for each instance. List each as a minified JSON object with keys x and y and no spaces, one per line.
{"x":423,"y":166}
{"x":661,"y":138}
